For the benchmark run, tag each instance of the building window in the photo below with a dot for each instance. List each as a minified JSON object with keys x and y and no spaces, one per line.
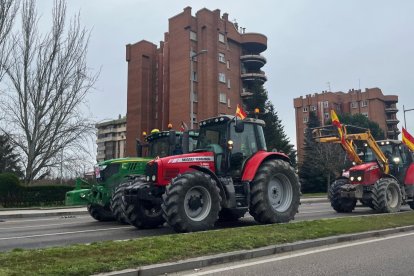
{"x":222,"y":77}
{"x":221,"y":58}
{"x":228,"y":103}
{"x":364,"y":103}
{"x":222,"y":98}
{"x":354,"y":105}
{"x":325,"y":104}
{"x":195,"y":96}
{"x":221,"y":37}
{"x":194,"y":76}
{"x":313,"y":108}
{"x":305,"y":119}
{"x":305,"y":109}
{"x":228,"y":84}
{"x":326,"y":115}
{"x":194,"y":118}
{"x":365,"y":114}
{"x":228,"y":64}
{"x":193,"y":35}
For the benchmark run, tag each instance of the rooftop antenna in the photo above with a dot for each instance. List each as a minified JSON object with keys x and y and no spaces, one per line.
{"x":359,"y":84}
{"x":329,"y":86}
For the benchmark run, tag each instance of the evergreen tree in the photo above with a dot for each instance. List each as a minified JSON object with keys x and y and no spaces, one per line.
{"x":275,"y":135}
{"x":9,"y":161}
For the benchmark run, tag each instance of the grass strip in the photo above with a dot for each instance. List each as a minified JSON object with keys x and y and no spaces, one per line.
{"x":112,"y":255}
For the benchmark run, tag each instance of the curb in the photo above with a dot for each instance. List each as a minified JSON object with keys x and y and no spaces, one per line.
{"x":223,"y":258}
{"x":34,"y":215}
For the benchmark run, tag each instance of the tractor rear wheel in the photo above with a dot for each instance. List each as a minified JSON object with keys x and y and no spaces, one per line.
{"x":275,"y":193}
{"x":117,"y":204}
{"x":143,"y":214}
{"x":339,"y":203}
{"x":386,"y":196}
{"x":99,"y":213}
{"x":191,"y":202}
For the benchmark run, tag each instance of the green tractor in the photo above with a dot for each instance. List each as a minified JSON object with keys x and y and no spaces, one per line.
{"x":103,"y":197}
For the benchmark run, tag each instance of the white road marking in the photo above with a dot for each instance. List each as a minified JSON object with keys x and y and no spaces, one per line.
{"x":294,"y":255}
{"x":65,"y":233}
{"x":42,"y":225}
{"x":58,"y":217}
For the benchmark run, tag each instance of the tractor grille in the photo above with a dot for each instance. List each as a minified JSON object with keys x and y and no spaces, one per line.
{"x":151,"y":169}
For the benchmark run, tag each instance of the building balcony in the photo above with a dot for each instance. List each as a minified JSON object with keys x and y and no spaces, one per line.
{"x":251,"y":77}
{"x":253,"y":62}
{"x":391,"y":110}
{"x":246,"y":94}
{"x":391,"y":133}
{"x":254,"y":42}
{"x":392,"y":121}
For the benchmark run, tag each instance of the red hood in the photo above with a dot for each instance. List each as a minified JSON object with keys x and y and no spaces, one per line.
{"x":364,"y":167}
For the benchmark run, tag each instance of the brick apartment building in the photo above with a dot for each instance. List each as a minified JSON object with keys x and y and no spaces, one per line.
{"x":372,"y":103}
{"x":111,"y":139}
{"x":224,"y":59}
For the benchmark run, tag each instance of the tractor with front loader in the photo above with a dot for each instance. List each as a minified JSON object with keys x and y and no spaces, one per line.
{"x":228,"y":174}
{"x":104,"y":197}
{"x":382,"y":176}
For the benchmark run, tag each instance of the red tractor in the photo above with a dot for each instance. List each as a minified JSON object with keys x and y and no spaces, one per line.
{"x":383,"y":175}
{"x":229,"y":173}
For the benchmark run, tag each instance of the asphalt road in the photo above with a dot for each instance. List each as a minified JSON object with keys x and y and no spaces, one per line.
{"x":390,"y":255}
{"x":59,"y":231}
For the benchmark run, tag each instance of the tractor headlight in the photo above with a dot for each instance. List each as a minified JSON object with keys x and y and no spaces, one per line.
{"x":359,"y":178}
{"x":148,"y":178}
{"x":153,"y":178}
{"x":352,"y":178}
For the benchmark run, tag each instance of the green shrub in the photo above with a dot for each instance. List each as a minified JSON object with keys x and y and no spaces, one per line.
{"x":14,"y":195}
{"x":10,"y":189}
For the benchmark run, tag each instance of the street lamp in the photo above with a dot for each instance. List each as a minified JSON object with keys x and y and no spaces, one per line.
{"x":192,"y":56}
{"x":406,"y":110}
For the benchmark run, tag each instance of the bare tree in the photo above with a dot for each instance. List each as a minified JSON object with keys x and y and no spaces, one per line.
{"x":48,"y":80}
{"x":8,"y":11}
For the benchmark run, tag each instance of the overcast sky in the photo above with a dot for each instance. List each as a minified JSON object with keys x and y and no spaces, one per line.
{"x":348,"y":44}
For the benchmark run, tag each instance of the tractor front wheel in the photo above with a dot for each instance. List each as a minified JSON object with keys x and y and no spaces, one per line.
{"x":386,"y":196}
{"x":192,"y":202}
{"x":339,"y":203}
{"x":99,"y":213}
{"x":117,"y":204}
{"x":144,"y":214}
{"x":275,"y":193}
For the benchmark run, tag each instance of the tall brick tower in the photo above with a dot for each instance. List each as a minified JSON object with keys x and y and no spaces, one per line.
{"x":224,"y":58}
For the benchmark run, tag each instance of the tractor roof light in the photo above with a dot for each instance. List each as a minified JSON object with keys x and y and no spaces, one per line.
{"x":144,"y":133}
{"x":169,"y":126}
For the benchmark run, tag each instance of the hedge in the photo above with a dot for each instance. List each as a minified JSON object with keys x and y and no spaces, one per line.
{"x":12,"y":194}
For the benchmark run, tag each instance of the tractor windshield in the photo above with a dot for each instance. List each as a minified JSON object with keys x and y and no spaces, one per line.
{"x":212,"y":136}
{"x":159,"y":147}
{"x":107,"y":171}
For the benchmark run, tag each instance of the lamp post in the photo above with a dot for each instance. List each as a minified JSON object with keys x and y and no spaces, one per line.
{"x":192,"y":56}
{"x":406,"y":110}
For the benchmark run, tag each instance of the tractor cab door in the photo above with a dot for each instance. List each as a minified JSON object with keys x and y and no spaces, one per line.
{"x":399,"y":161}
{"x":245,"y":144}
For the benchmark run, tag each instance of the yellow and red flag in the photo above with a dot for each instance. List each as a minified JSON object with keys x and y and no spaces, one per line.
{"x":240,"y":112}
{"x":407,"y":139}
{"x":335,"y":122}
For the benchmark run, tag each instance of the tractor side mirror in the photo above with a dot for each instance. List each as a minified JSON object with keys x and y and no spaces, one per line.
{"x":139,"y":148}
{"x":239,"y":126}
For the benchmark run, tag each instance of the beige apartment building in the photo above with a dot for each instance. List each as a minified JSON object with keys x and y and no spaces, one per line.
{"x":111,"y":139}
{"x":372,"y":103}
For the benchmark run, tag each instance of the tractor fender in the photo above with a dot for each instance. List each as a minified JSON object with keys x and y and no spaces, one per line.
{"x":214,"y":176}
{"x":254,"y":162}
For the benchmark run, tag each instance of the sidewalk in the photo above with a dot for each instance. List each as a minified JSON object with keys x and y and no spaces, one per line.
{"x":6,"y":213}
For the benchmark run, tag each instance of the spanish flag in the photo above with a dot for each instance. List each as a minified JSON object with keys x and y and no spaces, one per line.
{"x":407,"y":139}
{"x":240,"y":112}
{"x":335,"y":122}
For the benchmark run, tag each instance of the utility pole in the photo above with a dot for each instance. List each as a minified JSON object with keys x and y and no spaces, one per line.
{"x":192,"y":56}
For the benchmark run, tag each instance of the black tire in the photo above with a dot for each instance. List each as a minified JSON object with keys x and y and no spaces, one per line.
{"x":100,"y":213}
{"x":230,"y":215}
{"x":143,"y":214}
{"x":386,"y":196}
{"x":191,"y":202}
{"x":339,"y":203}
{"x":117,"y":204}
{"x":368,"y":203}
{"x":411,"y":204}
{"x":275,"y":193}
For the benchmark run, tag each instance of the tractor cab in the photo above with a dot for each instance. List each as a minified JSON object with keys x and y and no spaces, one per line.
{"x":233,"y":141}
